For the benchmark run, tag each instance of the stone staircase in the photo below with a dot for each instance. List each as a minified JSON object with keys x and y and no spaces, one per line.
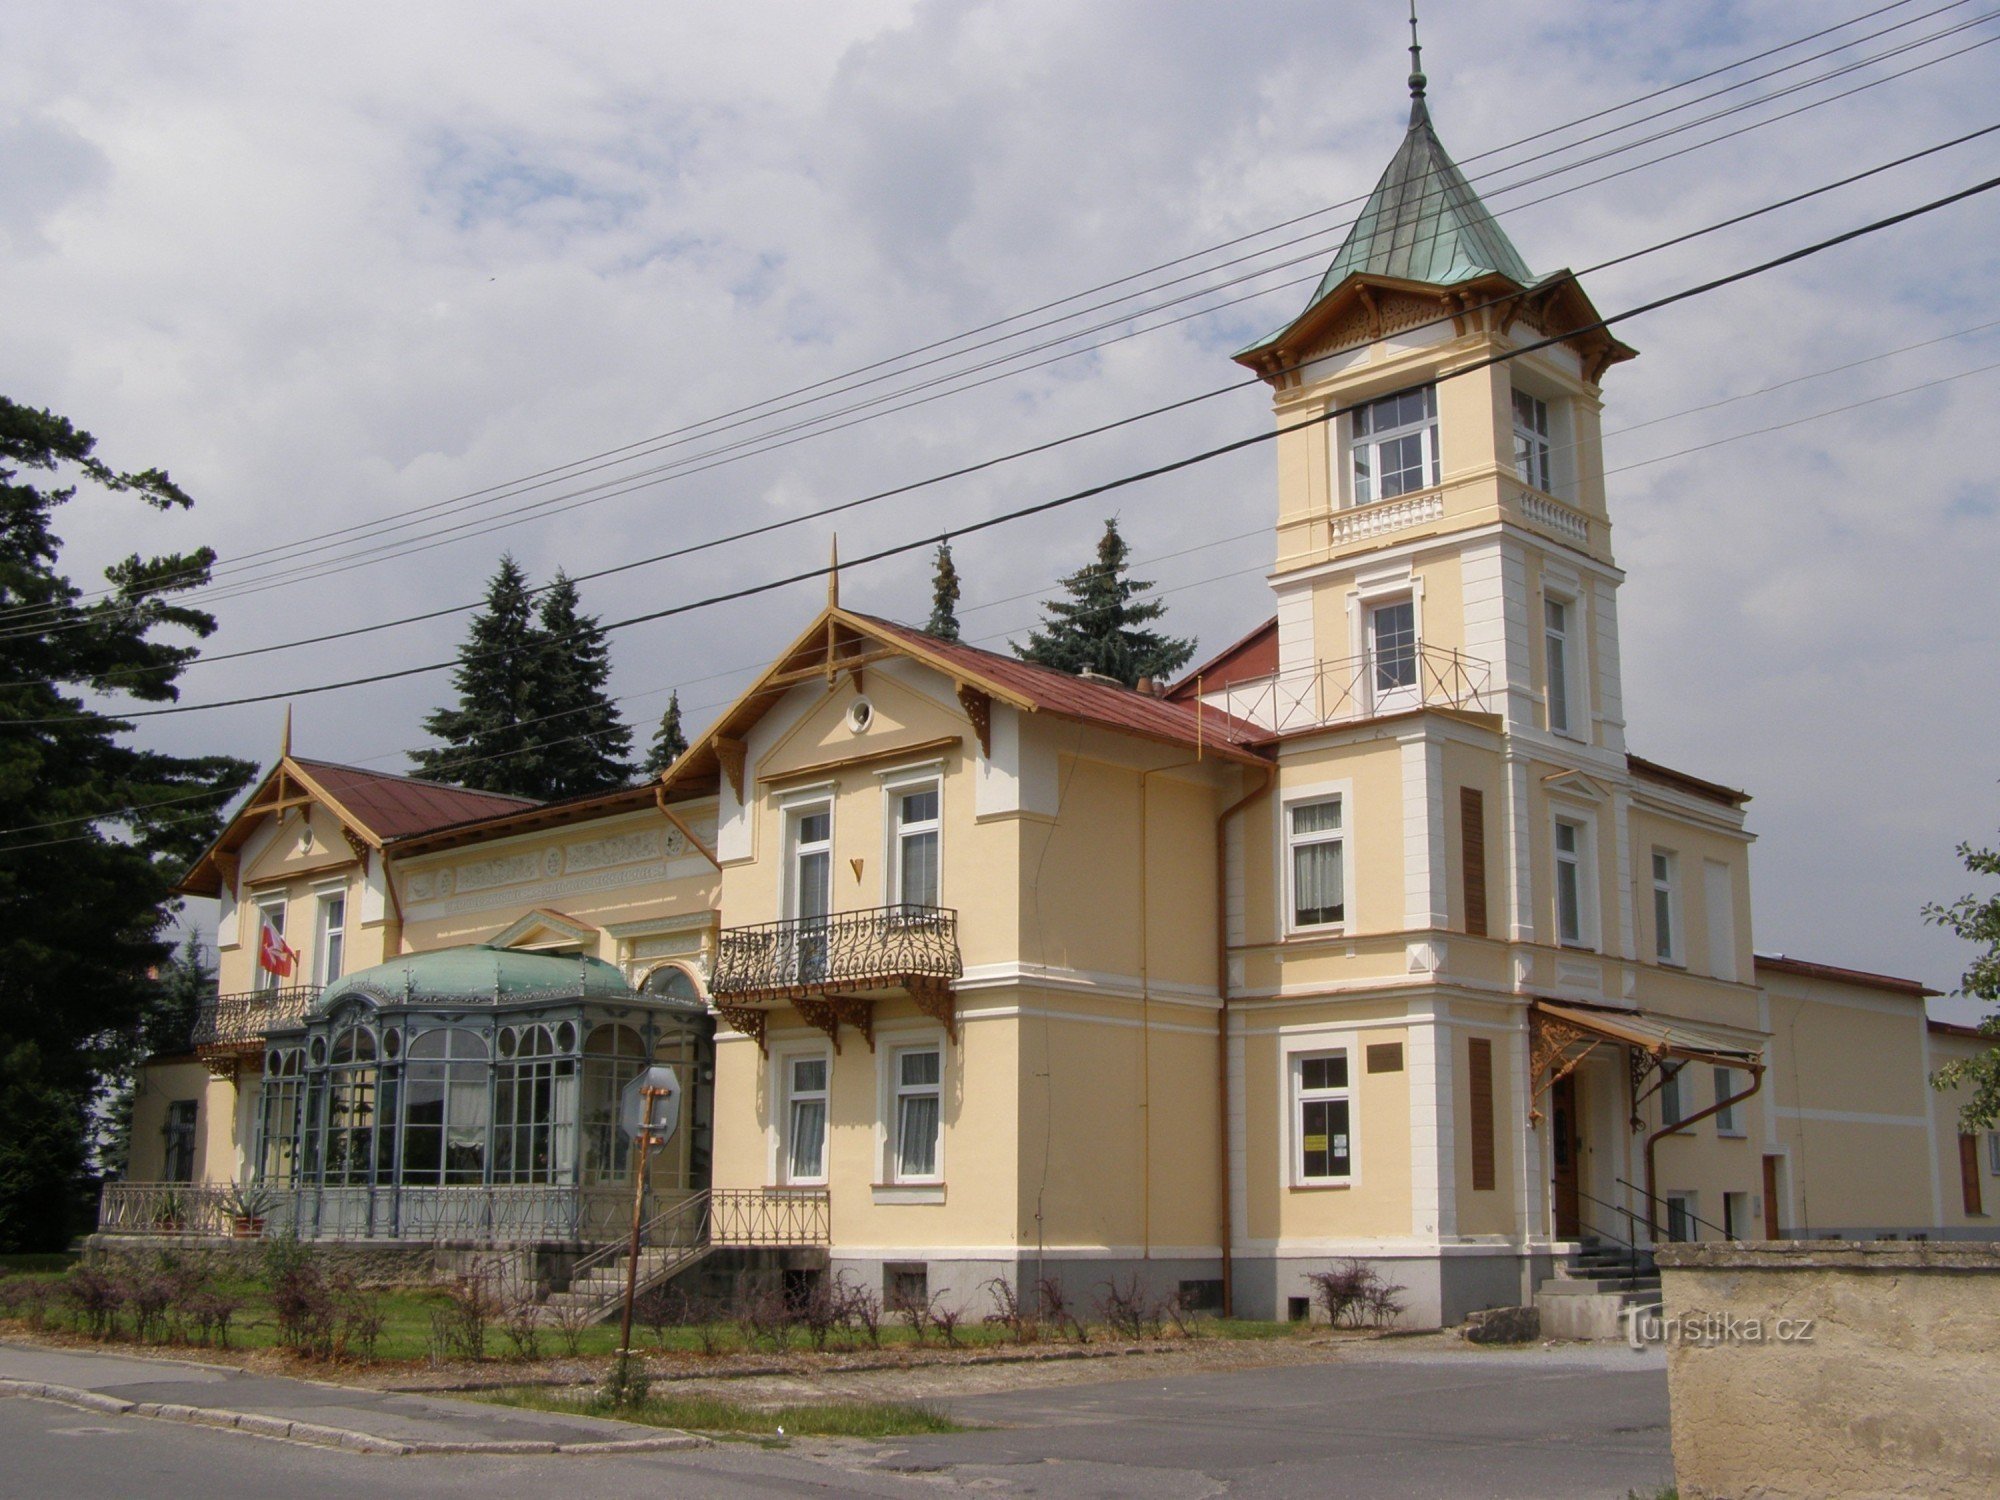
{"x":1594,"y":1290}
{"x":598,"y":1291}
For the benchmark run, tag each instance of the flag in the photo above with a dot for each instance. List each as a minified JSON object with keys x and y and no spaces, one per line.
{"x":274,"y":955}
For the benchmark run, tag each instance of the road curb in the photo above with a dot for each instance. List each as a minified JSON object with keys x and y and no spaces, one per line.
{"x":262,"y":1424}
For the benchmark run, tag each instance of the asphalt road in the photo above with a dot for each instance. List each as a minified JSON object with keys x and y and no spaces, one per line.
{"x":1546,"y":1424}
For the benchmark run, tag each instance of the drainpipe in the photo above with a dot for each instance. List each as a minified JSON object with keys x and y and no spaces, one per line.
{"x":1652,"y":1196}
{"x":1241,"y":804}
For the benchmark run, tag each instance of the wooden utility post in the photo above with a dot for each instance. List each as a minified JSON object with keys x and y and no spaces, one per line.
{"x":642,"y":1151}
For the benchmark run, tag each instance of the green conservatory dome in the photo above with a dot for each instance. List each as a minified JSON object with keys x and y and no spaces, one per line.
{"x":477,"y":972}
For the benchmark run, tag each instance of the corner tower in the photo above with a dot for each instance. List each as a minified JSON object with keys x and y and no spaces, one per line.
{"x":1442,"y":538}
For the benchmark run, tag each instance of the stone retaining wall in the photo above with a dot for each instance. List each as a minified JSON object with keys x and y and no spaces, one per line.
{"x":1803,"y":1368}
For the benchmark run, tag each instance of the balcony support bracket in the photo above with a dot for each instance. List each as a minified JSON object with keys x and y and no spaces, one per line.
{"x":747,"y":1019}
{"x":939,"y":1002}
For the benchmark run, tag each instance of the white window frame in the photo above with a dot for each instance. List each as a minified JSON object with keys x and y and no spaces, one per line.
{"x":271,"y":909}
{"x":1389,"y":697}
{"x":894,"y":790}
{"x":1559,"y":685}
{"x":1425,"y":429}
{"x":1534,"y":450}
{"x":1297,"y":1096}
{"x":1668,"y":944}
{"x":895,"y":1092}
{"x":1993,"y":1153}
{"x":785,"y":1091}
{"x":1338,"y":792}
{"x":1726,"y":1123}
{"x":795,"y":812}
{"x":1583,"y":861}
{"x":326,"y":935}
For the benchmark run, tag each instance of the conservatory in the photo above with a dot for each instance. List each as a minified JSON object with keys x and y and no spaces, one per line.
{"x":470,"y":1095}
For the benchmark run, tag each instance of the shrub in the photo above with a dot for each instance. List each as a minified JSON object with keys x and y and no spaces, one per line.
{"x":570,"y":1320}
{"x":1127,"y":1311}
{"x":148,"y":1296}
{"x":303,"y":1304}
{"x":28,"y":1298}
{"x":860,"y":1309}
{"x":208,"y":1313}
{"x":1180,"y":1311}
{"x":764,"y":1315}
{"x":946,"y":1320}
{"x":94,"y":1297}
{"x":522,"y":1324}
{"x":1351,"y":1294}
{"x":1055,"y":1308}
{"x":458,"y":1324}
{"x":1008,"y":1313}
{"x":359,"y":1319}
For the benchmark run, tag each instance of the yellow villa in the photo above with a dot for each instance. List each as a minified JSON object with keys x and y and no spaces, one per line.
{"x":1371,"y":938}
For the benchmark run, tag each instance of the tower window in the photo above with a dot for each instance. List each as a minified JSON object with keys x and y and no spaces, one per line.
{"x":1392,"y":645}
{"x":1395,"y":446}
{"x":1555,"y":645}
{"x":1531,"y":441}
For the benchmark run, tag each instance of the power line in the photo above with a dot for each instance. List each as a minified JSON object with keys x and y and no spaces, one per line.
{"x":267,"y":558}
{"x":839,"y":507}
{"x":1149,"y":561}
{"x":1108,"y":486}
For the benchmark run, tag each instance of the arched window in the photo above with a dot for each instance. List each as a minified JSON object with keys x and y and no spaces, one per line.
{"x":445,"y":1118}
{"x":672,"y":982}
{"x":278,"y":1116}
{"x":352,"y":1140}
{"x":534,"y":1100}
{"x":612,"y":1057}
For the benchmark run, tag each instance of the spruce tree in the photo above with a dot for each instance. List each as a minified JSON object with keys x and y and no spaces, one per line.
{"x":669,"y":742}
{"x":584,"y":741}
{"x":944,"y":597}
{"x":1097,"y":628}
{"x":488,"y":745}
{"x":98,"y":828}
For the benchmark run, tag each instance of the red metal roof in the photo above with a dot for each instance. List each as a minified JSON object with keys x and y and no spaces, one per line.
{"x":1255,"y":655}
{"x":395,"y":806}
{"x":1096,"y":702}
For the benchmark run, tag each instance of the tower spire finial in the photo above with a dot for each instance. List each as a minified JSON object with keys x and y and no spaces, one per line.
{"x":285,"y":740}
{"x":1417,"y":79}
{"x":833,"y":576}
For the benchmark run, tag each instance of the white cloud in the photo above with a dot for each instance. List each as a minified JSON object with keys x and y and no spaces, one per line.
{"x":327,"y":265}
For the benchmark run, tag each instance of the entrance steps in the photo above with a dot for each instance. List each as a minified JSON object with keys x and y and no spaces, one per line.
{"x":600,"y":1290}
{"x":1594,"y":1290}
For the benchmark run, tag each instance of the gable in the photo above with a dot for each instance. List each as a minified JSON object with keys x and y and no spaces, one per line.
{"x":898,"y":719}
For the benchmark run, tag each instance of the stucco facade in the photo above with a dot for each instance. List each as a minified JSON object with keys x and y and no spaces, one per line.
{"x":1369,"y":938}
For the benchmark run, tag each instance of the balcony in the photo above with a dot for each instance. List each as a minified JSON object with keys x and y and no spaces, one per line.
{"x":1359,"y":687}
{"x":831,"y":968}
{"x":229,"y":1029}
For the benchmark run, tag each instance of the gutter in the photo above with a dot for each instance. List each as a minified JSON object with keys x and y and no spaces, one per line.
{"x":1677,"y":1128}
{"x":1241,"y":804}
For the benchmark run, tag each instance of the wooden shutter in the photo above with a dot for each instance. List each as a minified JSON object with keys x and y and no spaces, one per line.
{"x":1479,"y":1071}
{"x":1968,"y":1174}
{"x":1472,"y":855}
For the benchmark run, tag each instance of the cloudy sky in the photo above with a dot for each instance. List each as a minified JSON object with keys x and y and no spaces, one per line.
{"x":371,"y":266}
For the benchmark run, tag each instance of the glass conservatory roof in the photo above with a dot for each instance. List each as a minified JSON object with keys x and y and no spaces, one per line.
{"x":479,"y":972}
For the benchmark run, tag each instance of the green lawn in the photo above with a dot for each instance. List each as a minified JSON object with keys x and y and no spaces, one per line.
{"x":857,"y":1419}
{"x":35,"y":1265}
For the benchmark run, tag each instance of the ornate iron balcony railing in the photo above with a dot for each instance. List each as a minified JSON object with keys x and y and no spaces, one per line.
{"x":236,"y":1024}
{"x":885,"y":947}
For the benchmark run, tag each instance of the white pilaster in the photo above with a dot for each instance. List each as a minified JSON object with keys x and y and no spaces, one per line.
{"x":1424,"y":859}
{"x":1433,"y":1163}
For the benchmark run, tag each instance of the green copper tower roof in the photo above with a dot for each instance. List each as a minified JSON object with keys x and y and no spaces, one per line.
{"x":1423,"y":222}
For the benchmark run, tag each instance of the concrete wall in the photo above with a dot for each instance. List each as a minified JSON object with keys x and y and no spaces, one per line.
{"x":1892,"y":1394}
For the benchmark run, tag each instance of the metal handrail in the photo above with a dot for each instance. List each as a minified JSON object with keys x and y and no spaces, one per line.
{"x":1697,"y":1218}
{"x":1358,"y":687}
{"x":694,"y":1207}
{"x":1631,"y":1226}
{"x":881,"y":946}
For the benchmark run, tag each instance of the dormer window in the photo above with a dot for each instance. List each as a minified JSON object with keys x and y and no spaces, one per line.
{"x":1532,"y":449}
{"x":1395,"y":445}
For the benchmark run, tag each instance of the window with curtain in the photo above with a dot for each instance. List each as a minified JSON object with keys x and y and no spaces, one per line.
{"x":1318,"y":877}
{"x":919,"y":1112}
{"x":445,"y":1117}
{"x":916,"y":814}
{"x":1322,"y":1145}
{"x":805,"y":1119}
{"x":332,"y":956}
{"x":534,"y":1104}
{"x":279,"y":1101}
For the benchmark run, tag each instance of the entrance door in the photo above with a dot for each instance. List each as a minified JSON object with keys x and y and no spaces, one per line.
{"x":1770,"y":1197}
{"x":1566,"y":1145}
